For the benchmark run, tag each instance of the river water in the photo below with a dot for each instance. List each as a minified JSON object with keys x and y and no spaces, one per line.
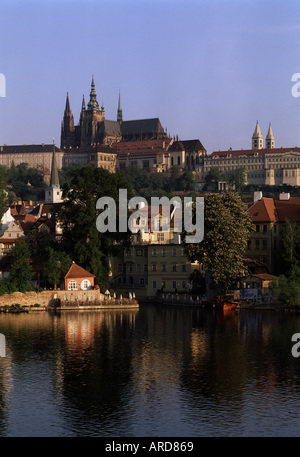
{"x":154,"y":372}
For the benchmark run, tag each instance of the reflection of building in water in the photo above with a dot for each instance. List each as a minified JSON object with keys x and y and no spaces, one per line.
{"x":82,"y":328}
{"x":79,"y":333}
{"x":199,"y":344}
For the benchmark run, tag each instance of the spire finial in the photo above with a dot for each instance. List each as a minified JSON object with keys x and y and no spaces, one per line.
{"x":67,"y":109}
{"x":83,"y":104}
{"x":93,"y":104}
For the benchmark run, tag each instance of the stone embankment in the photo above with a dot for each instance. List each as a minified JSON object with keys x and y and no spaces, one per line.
{"x":64,"y":300}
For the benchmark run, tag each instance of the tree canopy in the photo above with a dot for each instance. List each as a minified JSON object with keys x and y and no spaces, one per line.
{"x":24,"y":183}
{"x":287,"y":287}
{"x":289,"y":248}
{"x":20,"y":271}
{"x":227,"y":228}
{"x":160,"y":184}
{"x":236,"y":178}
{"x":78,"y":214}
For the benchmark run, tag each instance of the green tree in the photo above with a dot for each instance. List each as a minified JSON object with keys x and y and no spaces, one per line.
{"x":289,"y":251}
{"x":78,"y":214}
{"x":26,"y":183}
{"x":227,"y":229}
{"x":287,"y":287}
{"x":39,"y":240}
{"x":237,"y":178}
{"x":57,"y":266}
{"x":212,"y":178}
{"x":20,"y":271}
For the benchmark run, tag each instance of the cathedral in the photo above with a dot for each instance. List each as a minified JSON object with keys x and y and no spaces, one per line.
{"x":93,"y":129}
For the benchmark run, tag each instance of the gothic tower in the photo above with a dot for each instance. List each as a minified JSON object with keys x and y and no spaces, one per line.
{"x":93,"y":115}
{"x":81,"y":121}
{"x":67,"y":127}
{"x":270,"y":141}
{"x":53,"y":193}
{"x":257,"y":138}
{"x":119,"y":114}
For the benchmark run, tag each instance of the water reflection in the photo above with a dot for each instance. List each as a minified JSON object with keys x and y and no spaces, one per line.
{"x":156,"y":371}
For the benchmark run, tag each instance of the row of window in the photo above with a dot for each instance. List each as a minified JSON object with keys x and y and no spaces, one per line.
{"x":73,"y":285}
{"x":264,"y":228}
{"x":256,"y":161}
{"x":174,"y":267}
{"x":155,"y":251}
{"x":154,"y":267}
{"x":259,"y":244}
{"x":164,"y":285}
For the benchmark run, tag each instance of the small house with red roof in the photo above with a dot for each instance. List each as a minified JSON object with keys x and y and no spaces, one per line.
{"x":77,"y":278}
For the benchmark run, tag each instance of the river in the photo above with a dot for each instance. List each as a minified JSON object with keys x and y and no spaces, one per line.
{"x":159,"y":371}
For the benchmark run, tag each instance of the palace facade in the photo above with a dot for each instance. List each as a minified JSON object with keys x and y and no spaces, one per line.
{"x":263,"y":165}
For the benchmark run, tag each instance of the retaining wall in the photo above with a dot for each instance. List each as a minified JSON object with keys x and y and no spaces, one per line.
{"x":65,"y":299}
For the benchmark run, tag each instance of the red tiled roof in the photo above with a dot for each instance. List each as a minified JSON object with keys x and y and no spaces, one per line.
{"x":128,"y":146}
{"x":275,"y":210}
{"x":288,"y":209}
{"x":76,"y":271}
{"x":263,"y":211}
{"x":250,"y":152}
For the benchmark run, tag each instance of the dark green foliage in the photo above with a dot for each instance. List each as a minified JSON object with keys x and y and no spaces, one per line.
{"x":287,"y":287}
{"x":20,"y":271}
{"x":7,"y":287}
{"x":78,"y":214}
{"x":159,"y":184}
{"x":236,"y":178}
{"x":24,"y":183}
{"x":57,"y":266}
{"x":38,"y":242}
{"x":289,"y":246}
{"x":227,"y":229}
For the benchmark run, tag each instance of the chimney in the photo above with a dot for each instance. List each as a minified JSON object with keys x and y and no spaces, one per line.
{"x":257,"y":196}
{"x":284,"y":196}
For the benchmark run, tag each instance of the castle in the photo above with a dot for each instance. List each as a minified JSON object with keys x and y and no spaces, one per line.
{"x":116,"y":144}
{"x":94,"y":129}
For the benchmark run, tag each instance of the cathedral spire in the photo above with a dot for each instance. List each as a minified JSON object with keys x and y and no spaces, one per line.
{"x":93,"y":104}
{"x":67,"y":108}
{"x":270,"y":140}
{"x":83,"y":104}
{"x":67,"y":126}
{"x":257,"y":138}
{"x":54,"y":180}
{"x":120,"y":114}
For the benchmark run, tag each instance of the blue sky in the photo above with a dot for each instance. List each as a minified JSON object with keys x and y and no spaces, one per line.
{"x":208,"y":68}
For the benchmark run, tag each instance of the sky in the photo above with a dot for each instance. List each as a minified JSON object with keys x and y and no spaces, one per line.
{"x":209,"y":69}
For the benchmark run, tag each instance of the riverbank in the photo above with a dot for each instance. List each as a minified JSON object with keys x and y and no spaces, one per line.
{"x":270,"y":305}
{"x":62,"y":300}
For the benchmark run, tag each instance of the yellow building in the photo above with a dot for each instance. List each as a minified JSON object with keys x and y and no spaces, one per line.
{"x":147,"y":267}
{"x":156,"y":259}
